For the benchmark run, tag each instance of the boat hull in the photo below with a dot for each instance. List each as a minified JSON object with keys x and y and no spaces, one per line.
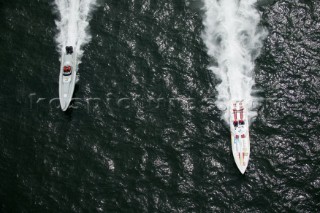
{"x":240,"y":140}
{"x":67,"y":83}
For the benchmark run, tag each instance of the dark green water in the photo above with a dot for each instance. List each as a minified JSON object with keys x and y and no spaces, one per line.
{"x":144,"y":134}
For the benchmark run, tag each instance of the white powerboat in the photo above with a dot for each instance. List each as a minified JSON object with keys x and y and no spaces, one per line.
{"x":239,"y":128}
{"x":68,"y":77}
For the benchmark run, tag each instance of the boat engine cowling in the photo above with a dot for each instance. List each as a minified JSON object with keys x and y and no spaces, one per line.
{"x":69,"y":49}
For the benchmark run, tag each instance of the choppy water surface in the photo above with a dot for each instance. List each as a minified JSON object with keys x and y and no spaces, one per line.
{"x":145,"y":134}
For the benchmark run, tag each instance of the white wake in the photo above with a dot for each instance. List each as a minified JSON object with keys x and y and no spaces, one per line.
{"x":74,"y":16}
{"x":234,"y":40}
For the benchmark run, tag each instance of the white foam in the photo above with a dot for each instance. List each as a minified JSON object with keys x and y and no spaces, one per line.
{"x":73,"y":24}
{"x":234,"y":41}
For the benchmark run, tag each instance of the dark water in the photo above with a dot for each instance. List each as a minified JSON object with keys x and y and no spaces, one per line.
{"x":144,"y":134}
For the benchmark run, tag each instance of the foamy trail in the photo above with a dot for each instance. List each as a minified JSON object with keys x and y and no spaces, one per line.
{"x":74,"y":16}
{"x":234,"y":40}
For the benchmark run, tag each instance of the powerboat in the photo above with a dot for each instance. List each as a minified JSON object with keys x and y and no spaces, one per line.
{"x":68,"y":77}
{"x":239,"y":128}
